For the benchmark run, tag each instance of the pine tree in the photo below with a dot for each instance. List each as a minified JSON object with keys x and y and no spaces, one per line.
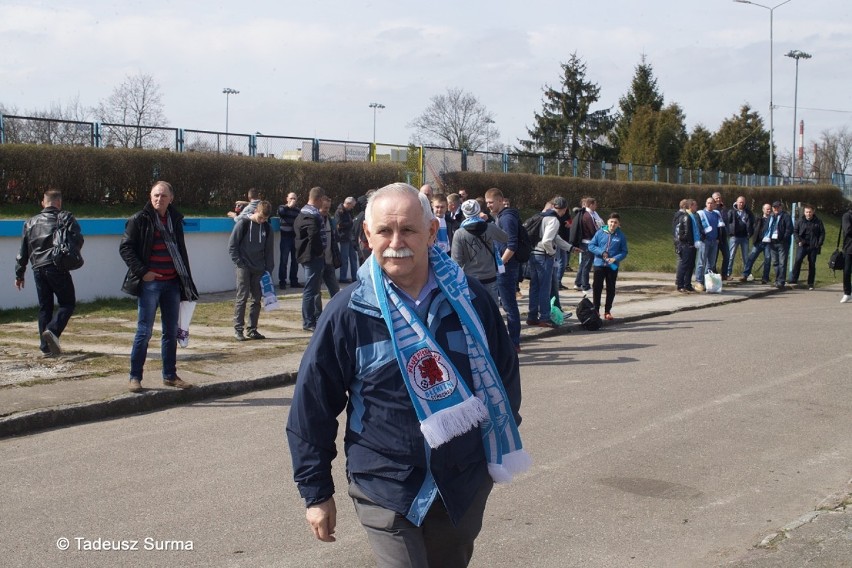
{"x":743,"y":143}
{"x":699,"y":151}
{"x":643,"y":93}
{"x":566,"y":126}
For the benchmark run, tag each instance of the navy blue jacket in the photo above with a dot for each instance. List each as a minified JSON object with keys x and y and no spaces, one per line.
{"x":350,"y":364}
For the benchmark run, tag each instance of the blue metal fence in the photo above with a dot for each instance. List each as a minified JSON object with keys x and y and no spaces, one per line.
{"x":433,"y":162}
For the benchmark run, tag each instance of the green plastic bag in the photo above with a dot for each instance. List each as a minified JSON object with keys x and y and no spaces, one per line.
{"x":556,"y":315}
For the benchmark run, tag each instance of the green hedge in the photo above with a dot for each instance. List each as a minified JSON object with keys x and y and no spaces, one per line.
{"x":111,"y":176}
{"x":529,"y":191}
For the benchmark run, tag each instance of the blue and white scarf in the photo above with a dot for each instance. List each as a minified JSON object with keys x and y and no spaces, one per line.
{"x":445,"y":406}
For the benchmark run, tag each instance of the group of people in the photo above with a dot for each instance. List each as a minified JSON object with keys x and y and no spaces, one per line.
{"x":416,"y":351}
{"x":701,"y":237}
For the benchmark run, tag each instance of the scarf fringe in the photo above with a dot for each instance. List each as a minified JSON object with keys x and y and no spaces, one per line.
{"x":514,"y":463}
{"x":446,"y":424}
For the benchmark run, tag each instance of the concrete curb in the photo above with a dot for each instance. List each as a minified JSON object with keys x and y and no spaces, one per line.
{"x":27,"y":422}
{"x":42,"y":419}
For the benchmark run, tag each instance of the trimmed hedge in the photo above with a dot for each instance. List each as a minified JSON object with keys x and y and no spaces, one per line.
{"x":111,"y":176}
{"x":531,"y":192}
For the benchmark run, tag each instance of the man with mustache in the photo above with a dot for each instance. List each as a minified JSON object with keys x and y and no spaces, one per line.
{"x":419,"y":357}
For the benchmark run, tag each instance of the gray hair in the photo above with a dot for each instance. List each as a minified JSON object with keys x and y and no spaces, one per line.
{"x":400,"y":189}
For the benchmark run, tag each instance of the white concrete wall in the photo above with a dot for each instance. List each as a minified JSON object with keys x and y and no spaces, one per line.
{"x":103,"y":273}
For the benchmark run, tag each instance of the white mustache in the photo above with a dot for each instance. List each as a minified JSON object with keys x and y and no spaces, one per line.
{"x":397,"y":253}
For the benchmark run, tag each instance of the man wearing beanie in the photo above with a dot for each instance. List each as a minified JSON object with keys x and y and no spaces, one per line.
{"x":473,"y":247}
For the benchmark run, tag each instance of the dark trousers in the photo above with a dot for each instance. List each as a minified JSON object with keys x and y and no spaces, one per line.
{"x":50,"y":282}
{"x":801,"y":253}
{"x":847,"y":275}
{"x":685,"y":266}
{"x":399,"y":543}
{"x":248,"y":285}
{"x":288,"y":255}
{"x":608,"y":276}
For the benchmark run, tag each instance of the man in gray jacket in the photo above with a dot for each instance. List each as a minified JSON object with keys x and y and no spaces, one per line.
{"x":473,"y":247}
{"x":251,"y":247}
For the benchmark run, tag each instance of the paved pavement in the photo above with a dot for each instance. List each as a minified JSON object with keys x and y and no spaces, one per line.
{"x":818,"y":538}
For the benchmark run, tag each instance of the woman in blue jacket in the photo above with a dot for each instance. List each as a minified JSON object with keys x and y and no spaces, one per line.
{"x":609,"y":245}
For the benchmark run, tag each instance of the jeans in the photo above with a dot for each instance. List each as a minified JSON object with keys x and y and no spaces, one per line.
{"x":801,"y":253}
{"x":704,"y":253}
{"x":541,"y":275}
{"x":313,"y":282}
{"x":506,"y":287}
{"x":603,"y":275}
{"x":735,"y":243}
{"x":752,"y":257}
{"x":556,"y":278}
{"x":288,"y":253}
{"x":330,"y":279}
{"x":348,"y":260}
{"x":50,"y":282}
{"x":248,"y":284}
{"x":685,"y":266}
{"x":584,"y":268}
{"x":779,"y":253}
{"x":164,"y":294}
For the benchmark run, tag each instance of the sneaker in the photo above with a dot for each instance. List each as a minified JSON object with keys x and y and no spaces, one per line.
{"x":52,"y":342}
{"x":254,"y":334}
{"x":750,"y":278}
{"x":698,"y":286}
{"x":810,"y":287}
{"x":238,"y":335}
{"x":135,"y":385}
{"x":764,"y":281}
{"x":690,"y":289}
{"x":577,"y":288}
{"x":176,"y":382}
{"x":308,"y":328}
{"x":546,"y":323}
{"x":845,"y":298}
{"x":683,"y":290}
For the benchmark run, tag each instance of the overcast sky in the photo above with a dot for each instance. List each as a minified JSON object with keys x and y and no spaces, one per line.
{"x":311,"y":68}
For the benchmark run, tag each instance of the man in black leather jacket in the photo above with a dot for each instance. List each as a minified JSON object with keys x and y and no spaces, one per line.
{"x":50,"y":280}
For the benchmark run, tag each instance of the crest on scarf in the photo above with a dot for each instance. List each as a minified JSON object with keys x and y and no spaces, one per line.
{"x":430,"y":376}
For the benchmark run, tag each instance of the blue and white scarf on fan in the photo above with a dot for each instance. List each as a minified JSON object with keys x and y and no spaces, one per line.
{"x":444,"y":404}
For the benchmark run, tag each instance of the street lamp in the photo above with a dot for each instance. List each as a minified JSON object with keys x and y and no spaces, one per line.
{"x":796,"y":54}
{"x":771,"y":104}
{"x":227,"y":91}
{"x":488,"y":123}
{"x":375,"y":106}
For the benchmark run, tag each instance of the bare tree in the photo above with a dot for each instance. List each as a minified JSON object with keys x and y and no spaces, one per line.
{"x":135,"y":104}
{"x":833,"y":153}
{"x":455,"y":119}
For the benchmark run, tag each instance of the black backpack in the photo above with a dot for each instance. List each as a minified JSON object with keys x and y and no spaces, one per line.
{"x":587,"y":316}
{"x":533,"y":228}
{"x":66,"y":250}
{"x":524,"y":248}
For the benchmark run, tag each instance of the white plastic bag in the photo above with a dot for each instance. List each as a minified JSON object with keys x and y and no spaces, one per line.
{"x":184,"y":318}
{"x":267,"y":288}
{"x":713,"y":283}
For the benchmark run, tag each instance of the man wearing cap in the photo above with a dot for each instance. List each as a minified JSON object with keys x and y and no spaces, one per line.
{"x":344,"y":217}
{"x":473,"y":247}
{"x":541,"y":263}
{"x":779,"y":245}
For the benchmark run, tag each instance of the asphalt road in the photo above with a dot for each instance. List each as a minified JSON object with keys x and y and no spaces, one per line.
{"x":677,"y":441}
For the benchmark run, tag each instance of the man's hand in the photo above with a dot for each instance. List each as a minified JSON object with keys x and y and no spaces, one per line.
{"x":150,"y":276}
{"x":19,"y":283}
{"x":323,"y":520}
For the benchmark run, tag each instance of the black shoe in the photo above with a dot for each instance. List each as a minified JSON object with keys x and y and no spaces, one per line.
{"x":238,"y":335}
{"x":282,"y":285}
{"x":296,"y":285}
{"x":254,"y":334}
{"x":308,"y":328}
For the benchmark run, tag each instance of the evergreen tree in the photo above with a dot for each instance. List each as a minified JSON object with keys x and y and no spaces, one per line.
{"x":699,"y":151}
{"x":643,"y":93}
{"x":743,"y":143}
{"x":655,"y":137}
{"x":566,"y":126}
